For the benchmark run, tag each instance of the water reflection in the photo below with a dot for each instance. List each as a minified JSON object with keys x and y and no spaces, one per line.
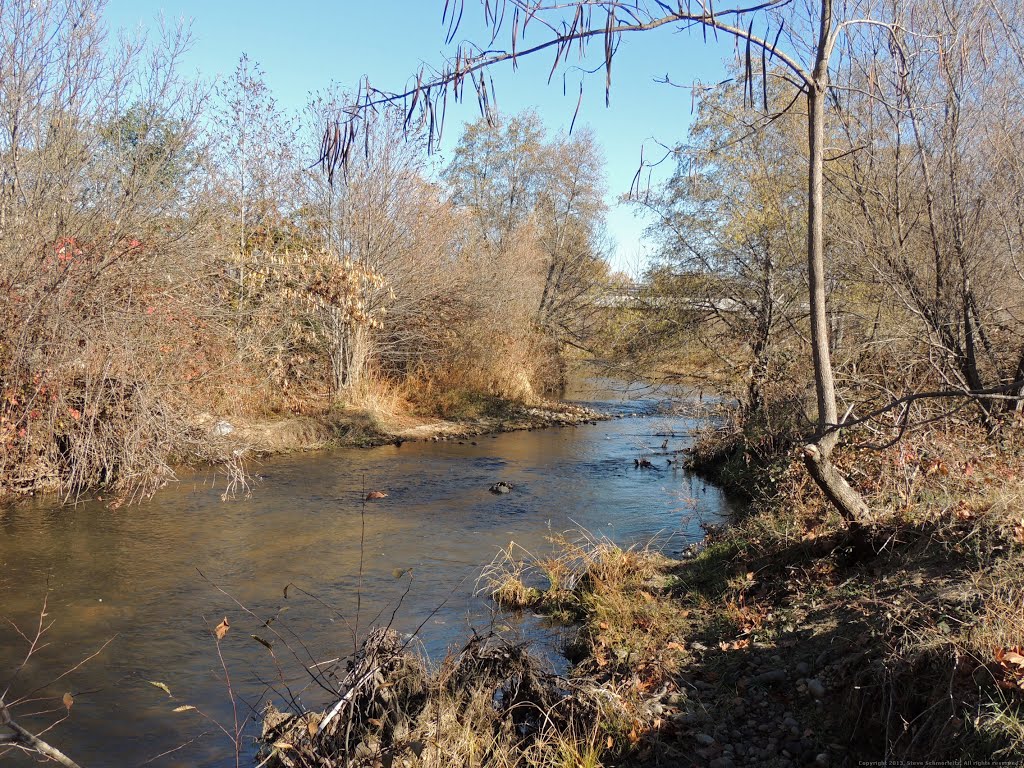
{"x":157,"y":577}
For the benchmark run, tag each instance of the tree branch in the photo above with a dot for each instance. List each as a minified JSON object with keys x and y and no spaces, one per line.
{"x":991,"y":393}
{"x":27,"y":740}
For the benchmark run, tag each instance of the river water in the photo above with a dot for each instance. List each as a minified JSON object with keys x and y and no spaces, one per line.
{"x":151,"y":580}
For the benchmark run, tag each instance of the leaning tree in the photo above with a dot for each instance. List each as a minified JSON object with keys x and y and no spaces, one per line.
{"x":785,"y":39}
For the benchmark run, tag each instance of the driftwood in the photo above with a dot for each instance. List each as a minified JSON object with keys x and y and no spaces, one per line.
{"x":382,"y":692}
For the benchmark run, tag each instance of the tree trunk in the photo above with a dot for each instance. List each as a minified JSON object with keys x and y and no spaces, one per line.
{"x":818,"y":454}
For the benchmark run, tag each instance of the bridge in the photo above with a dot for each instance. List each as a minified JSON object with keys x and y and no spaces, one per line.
{"x":632,"y":297}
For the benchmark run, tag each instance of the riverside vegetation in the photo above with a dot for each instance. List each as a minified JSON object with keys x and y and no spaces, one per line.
{"x":868,"y":606}
{"x":177,"y":283}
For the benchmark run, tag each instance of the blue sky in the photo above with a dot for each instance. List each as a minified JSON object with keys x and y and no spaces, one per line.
{"x":304,"y":45}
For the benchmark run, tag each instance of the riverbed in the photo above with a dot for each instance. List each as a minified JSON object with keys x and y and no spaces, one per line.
{"x":148,"y":583}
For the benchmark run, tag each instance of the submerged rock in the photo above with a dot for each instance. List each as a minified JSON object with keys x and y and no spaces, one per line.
{"x":501,"y":487}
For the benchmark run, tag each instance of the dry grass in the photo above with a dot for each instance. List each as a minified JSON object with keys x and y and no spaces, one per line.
{"x":557,"y":582}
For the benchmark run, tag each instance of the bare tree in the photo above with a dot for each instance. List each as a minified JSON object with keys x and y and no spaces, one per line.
{"x":924,"y":197}
{"x":511,"y":178}
{"x":99,"y":158}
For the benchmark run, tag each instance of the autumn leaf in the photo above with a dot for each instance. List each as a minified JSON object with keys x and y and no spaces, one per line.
{"x":1012,"y":662}
{"x":261,"y":641}
{"x":68,"y":701}
{"x":734,"y":645}
{"x":162,"y":686}
{"x":222,"y":628}
{"x":183,"y":708}
{"x":1012,"y":657}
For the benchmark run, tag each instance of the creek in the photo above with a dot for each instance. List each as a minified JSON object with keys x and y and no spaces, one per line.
{"x":151,"y":580}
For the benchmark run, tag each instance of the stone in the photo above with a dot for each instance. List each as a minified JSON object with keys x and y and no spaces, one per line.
{"x":770,"y":677}
{"x":816,"y":688}
{"x":793,"y":747}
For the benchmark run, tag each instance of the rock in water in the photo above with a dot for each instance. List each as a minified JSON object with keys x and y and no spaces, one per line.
{"x":501,"y":487}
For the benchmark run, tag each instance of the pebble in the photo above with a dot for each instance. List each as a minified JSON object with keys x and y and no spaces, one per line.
{"x":769,"y":677}
{"x":816,"y":688}
{"x":704,"y":739}
{"x":793,"y":747}
{"x":722,"y":762}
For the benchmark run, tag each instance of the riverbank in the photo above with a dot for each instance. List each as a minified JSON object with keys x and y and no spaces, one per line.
{"x":361,"y":427}
{"x":784,"y":639}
